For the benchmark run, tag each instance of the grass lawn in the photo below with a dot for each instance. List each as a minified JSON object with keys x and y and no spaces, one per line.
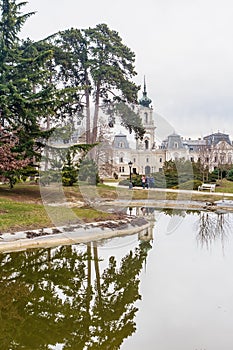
{"x":224,"y":186}
{"x":16,"y":216}
{"x":22,"y":207}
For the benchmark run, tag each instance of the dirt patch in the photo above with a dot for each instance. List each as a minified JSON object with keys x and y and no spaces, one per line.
{"x":2,"y":211}
{"x":25,"y":194}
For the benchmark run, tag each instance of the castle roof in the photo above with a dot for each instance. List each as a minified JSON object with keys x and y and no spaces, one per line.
{"x":120,"y":141}
{"x":145,"y":101}
{"x":215,"y":138}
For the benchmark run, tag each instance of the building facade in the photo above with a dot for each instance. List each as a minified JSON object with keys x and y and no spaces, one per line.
{"x":147,"y":157}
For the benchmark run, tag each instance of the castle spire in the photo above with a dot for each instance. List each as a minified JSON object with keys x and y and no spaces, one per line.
{"x":145,"y":101}
{"x":145,"y":85}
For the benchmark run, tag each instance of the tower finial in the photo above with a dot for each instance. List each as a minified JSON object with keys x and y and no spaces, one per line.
{"x":145,"y":101}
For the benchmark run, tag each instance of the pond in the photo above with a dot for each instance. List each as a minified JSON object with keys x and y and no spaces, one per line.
{"x":169,"y":289}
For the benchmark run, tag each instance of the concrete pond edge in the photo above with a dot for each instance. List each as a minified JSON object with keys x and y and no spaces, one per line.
{"x":72,"y":234}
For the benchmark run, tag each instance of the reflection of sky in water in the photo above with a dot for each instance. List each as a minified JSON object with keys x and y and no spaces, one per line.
{"x":187,"y":291}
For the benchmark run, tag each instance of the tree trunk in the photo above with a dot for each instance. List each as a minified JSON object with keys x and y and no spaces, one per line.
{"x":88,"y":278}
{"x":88,"y":112}
{"x":96,"y":113}
{"x":46,"y":162}
{"x":97,"y":273}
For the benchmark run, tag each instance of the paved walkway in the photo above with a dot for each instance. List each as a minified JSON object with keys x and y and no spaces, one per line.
{"x":220,"y":194}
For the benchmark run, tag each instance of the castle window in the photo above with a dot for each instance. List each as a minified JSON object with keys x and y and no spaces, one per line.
{"x":146,"y":117}
{"x":134,"y":160}
{"x":146,"y":144}
{"x":222,"y":158}
{"x":121,"y":169}
{"x":147,"y":160}
{"x":192,"y":159}
{"x":175,"y":144}
{"x":121,"y":144}
{"x":160,"y":159}
{"x":121,"y":160}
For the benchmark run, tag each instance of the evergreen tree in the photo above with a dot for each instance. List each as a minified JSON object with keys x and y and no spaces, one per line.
{"x":97,"y":60}
{"x":69,"y":172}
{"x":18,"y":100}
{"x":29,"y":92}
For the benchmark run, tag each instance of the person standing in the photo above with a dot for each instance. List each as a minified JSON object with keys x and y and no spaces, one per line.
{"x":143,"y":179}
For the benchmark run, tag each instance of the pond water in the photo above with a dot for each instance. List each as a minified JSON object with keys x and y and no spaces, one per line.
{"x":171,"y":289}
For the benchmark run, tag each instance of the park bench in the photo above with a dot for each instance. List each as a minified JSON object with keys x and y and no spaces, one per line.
{"x":210,"y":187}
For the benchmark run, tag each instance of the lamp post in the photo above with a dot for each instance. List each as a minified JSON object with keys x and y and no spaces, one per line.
{"x":130,"y":174}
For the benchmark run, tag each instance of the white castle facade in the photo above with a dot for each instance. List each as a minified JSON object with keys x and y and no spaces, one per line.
{"x":147,"y":157}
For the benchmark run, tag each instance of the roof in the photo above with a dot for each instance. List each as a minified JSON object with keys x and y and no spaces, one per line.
{"x":215,"y":138}
{"x":145,"y":101}
{"x":120,"y":141}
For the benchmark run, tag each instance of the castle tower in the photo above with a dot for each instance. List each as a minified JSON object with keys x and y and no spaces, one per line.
{"x":146,"y":113}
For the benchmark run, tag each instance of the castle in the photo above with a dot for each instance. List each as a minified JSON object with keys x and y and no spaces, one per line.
{"x":147,"y":157}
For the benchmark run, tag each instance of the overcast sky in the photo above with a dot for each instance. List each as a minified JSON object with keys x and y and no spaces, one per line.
{"x":185,"y":49}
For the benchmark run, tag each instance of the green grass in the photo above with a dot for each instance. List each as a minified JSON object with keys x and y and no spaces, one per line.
{"x":17,"y":216}
{"x":22,"y":208}
{"x":22,"y":216}
{"x":224,"y":186}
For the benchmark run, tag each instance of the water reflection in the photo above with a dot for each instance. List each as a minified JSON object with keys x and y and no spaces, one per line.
{"x":70,"y":296}
{"x":212,"y":226}
{"x":52,"y":296}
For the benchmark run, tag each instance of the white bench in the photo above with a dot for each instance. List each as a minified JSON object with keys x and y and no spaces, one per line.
{"x":210,"y":187}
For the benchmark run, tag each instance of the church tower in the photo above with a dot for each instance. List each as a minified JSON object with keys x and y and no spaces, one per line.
{"x":146,"y":114}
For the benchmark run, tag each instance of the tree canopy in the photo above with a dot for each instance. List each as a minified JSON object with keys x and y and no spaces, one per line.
{"x":56,"y":81}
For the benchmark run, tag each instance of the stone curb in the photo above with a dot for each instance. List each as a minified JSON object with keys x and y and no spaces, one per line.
{"x":78,"y":236}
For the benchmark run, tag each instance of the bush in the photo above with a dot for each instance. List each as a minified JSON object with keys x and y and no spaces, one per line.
{"x":230,"y":175}
{"x":189,"y":185}
{"x":89,"y":172}
{"x":124,"y":182}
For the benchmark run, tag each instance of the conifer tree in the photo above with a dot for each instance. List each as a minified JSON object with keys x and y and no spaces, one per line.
{"x":17,"y":95}
{"x":97,"y":60}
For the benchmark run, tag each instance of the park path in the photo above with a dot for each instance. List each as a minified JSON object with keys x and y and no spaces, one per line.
{"x":220,"y":194}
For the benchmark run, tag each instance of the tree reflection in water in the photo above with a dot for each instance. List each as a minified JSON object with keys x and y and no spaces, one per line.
{"x":47,"y":297}
{"x":212,"y":226}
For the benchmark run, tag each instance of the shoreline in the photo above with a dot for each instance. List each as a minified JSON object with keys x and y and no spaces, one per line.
{"x":73,"y":234}
{"x":96,"y":231}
